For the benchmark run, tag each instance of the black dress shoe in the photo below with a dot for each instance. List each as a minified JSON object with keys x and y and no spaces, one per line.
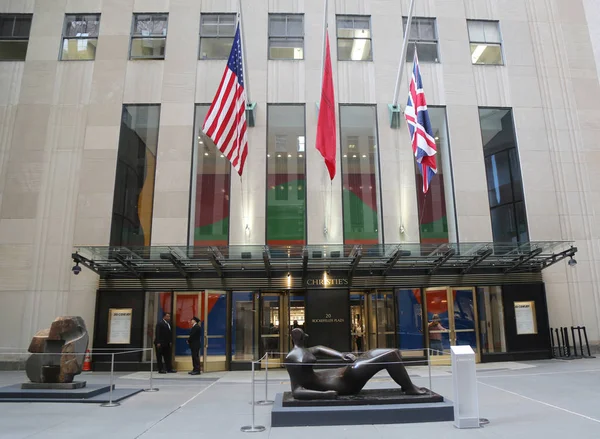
{"x":161,"y":371}
{"x":194,"y":372}
{"x":172,"y":371}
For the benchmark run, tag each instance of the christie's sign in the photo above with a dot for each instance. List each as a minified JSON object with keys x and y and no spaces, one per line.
{"x":327,"y":282}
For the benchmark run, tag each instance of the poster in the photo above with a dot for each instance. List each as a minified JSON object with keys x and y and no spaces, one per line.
{"x":119,"y":325}
{"x":525,"y":318}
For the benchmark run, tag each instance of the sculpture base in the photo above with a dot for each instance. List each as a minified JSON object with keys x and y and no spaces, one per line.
{"x":365,"y":397}
{"x":322,"y":412}
{"x":58,"y":386}
{"x":92,"y":393}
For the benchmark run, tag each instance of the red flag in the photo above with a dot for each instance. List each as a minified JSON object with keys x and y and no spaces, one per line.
{"x":326,"y":123}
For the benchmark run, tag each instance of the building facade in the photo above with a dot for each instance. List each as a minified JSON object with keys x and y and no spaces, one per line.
{"x":102,"y":103}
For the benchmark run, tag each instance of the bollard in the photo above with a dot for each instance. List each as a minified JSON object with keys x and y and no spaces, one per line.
{"x":110,"y":402}
{"x":151,"y":389}
{"x":575,"y":355}
{"x":265,"y":401}
{"x":566,"y":340}
{"x":552,"y":345}
{"x":252,"y":428}
{"x":559,"y":348}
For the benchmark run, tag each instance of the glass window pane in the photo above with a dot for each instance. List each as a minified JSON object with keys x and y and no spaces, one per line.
{"x":22,"y":26}
{"x":498,"y":179}
{"x":360,"y":174}
{"x":82,"y":25}
{"x":410,"y":321}
{"x":426,"y":29}
{"x":242,"y":331}
{"x":522,"y":231}
{"x":148,"y":48}
{"x":150,"y":24}
{"x":7,"y":23}
{"x":209,"y":25}
{"x":362,"y":27}
{"x":227,"y":29}
{"x":295,"y":26}
{"x":503,"y":223}
{"x":486,"y":54}
{"x":427,"y":52}
{"x":436,"y":208}
{"x":345,"y":27}
{"x":13,"y":50}
{"x":215,"y":48}
{"x":79,"y":49}
{"x":515,"y":170}
{"x":491,"y":31}
{"x":286,"y":49}
{"x":134,"y":180}
{"x":210,"y":189}
{"x":286,"y":167}
{"x":476,"y":33}
{"x":354,"y":49}
{"x":277,"y":25}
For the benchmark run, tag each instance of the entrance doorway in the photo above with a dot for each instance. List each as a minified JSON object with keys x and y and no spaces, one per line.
{"x":211,"y":308}
{"x":279,"y":313}
{"x":451,"y":320}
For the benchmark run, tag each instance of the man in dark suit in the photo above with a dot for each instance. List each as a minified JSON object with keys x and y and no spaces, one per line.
{"x":194,"y":342}
{"x":163,"y":339}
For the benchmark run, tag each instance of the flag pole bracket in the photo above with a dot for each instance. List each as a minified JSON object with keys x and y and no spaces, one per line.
{"x":251,"y":113}
{"x":395,"y":113}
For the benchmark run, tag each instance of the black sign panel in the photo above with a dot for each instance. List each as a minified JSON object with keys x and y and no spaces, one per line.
{"x":327,"y":317}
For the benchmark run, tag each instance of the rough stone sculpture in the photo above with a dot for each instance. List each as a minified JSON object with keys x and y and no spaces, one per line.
{"x":58,"y":352}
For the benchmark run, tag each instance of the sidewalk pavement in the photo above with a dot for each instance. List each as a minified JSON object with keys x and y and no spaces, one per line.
{"x":549,"y":399}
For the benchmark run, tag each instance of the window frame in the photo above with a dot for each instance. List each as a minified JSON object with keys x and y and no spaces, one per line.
{"x":338,"y":38}
{"x":133,"y":36}
{"x":212,"y":37}
{"x":64,"y":37}
{"x":498,"y":44}
{"x":14,"y":38}
{"x":436,"y":40}
{"x":270,"y":37}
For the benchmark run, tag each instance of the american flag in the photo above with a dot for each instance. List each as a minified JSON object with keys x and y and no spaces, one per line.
{"x":225,"y":123}
{"x":419,"y":125}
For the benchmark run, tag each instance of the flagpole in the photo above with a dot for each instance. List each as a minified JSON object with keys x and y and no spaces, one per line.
{"x":245,"y":67}
{"x":324,"y":37}
{"x":327,"y":204}
{"x":403,"y":54}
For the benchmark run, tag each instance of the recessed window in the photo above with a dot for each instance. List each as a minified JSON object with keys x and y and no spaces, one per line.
{"x":216,"y":35}
{"x":423,"y":33}
{"x":80,"y":37}
{"x":14,"y":36}
{"x":486,"y":44}
{"x":149,"y":36}
{"x":286,"y":36}
{"x":354,"y":38}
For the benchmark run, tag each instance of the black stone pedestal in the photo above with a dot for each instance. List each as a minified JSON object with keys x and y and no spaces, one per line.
{"x":58,"y":386}
{"x":380,"y":406}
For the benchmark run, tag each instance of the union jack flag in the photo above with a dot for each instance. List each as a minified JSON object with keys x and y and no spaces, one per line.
{"x":419,"y":126}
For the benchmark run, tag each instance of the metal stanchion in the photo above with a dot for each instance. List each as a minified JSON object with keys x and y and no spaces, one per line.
{"x":110,"y":402}
{"x":151,"y":389}
{"x":429,"y":367}
{"x":265,"y":401}
{"x":252,"y":428}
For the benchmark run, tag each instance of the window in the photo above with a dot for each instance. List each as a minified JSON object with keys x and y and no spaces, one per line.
{"x":286,"y":36}
{"x":134,"y":182}
{"x":211,"y":173}
{"x":360,"y":174}
{"x":149,"y":36}
{"x":286,"y":166}
{"x":80,"y":37}
{"x":503,"y":172}
{"x":436,"y":211}
{"x":486,"y":45}
{"x":354,"y":38}
{"x":216,"y":35}
{"x":423,"y":33}
{"x":14,"y":36}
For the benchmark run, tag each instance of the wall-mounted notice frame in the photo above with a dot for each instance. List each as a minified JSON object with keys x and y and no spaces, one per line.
{"x":119,"y":325}
{"x":525,"y":318}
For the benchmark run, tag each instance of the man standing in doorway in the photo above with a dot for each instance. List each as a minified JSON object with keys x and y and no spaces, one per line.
{"x":163,"y":339}
{"x":194,"y":342}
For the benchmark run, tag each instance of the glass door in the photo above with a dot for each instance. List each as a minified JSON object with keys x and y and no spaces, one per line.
{"x":361,"y":330}
{"x":214,"y":321}
{"x":186,"y":306}
{"x":451,"y":320}
{"x":271,"y":322}
{"x":382,"y":319}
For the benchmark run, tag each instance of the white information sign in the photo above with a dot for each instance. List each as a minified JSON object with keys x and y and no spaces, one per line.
{"x":119,"y":325}
{"x":525,"y":318}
